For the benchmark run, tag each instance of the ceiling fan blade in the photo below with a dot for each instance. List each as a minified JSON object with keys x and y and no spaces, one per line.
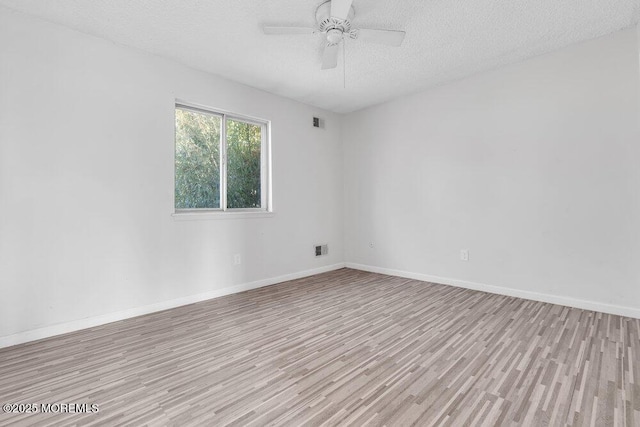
{"x":340,"y":8}
{"x":330,"y":56}
{"x":388,"y":37}
{"x":288,"y":30}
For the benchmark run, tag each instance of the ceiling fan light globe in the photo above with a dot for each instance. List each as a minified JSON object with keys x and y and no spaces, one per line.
{"x":334,"y":36}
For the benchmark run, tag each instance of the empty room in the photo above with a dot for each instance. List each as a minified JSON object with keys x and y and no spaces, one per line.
{"x":319,"y":213}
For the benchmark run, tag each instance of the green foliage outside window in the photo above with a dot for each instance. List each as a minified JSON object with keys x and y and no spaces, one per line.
{"x":244,"y":141}
{"x":197,"y":162}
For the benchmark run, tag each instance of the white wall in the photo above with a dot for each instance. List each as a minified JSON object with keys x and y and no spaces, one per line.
{"x":534,"y":167}
{"x":86,"y":183}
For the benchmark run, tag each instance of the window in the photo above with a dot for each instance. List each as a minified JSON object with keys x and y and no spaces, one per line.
{"x":220,"y":161}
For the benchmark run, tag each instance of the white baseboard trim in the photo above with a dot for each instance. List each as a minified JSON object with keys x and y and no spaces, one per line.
{"x":90,"y":322}
{"x":501,"y":290}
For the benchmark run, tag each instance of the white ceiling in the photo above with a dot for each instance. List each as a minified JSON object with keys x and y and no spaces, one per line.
{"x":446,"y":39}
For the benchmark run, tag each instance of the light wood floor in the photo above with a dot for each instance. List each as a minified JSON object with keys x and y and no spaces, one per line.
{"x":341,"y":348}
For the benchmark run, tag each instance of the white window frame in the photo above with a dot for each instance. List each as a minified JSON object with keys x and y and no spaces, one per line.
{"x":223,"y":211}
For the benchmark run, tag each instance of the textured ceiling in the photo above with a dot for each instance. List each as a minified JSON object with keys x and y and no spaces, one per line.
{"x":446,"y":39}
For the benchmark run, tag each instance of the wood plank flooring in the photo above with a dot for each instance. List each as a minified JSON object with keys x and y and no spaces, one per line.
{"x":341,"y":348}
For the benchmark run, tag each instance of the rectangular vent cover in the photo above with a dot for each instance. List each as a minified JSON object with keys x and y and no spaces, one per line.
{"x":321,"y":250}
{"x":316,"y":122}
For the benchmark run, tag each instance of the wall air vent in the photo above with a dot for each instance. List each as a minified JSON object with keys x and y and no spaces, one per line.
{"x":321,"y":250}
{"x":316,"y":122}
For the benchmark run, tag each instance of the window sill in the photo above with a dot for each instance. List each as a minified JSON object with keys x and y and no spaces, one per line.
{"x":200,"y":216}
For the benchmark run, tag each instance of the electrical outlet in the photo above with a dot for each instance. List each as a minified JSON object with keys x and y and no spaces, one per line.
{"x":464,"y":254}
{"x":237,"y":259}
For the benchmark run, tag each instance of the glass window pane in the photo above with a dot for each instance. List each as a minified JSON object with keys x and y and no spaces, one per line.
{"x":197,"y":160}
{"x":244,"y":142}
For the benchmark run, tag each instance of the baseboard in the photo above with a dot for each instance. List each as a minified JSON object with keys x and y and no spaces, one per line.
{"x":501,"y":290}
{"x":90,"y":322}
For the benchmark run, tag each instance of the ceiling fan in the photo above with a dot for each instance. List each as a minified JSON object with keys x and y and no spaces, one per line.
{"x":334,"y":19}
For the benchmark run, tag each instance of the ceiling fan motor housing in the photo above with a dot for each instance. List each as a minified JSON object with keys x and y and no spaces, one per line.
{"x":334,"y":28}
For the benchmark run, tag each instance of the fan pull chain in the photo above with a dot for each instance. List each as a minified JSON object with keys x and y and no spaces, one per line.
{"x":344,"y":64}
